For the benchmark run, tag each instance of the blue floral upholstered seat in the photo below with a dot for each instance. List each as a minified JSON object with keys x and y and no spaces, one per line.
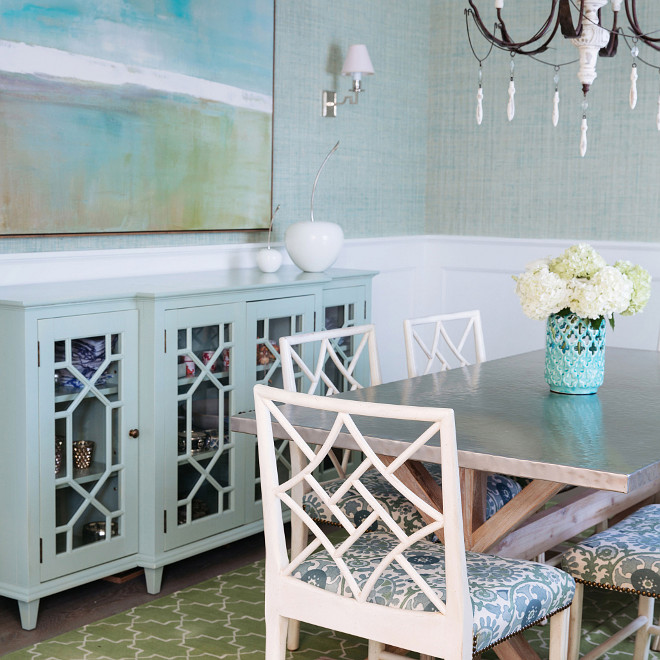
{"x":500,"y":489}
{"x":508,"y":595}
{"x":625,"y":557}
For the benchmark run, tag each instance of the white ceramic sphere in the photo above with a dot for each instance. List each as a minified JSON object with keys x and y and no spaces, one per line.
{"x":314,"y":246}
{"x":269,"y":260}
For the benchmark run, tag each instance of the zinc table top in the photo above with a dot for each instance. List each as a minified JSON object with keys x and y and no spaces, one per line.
{"x":508,"y":421}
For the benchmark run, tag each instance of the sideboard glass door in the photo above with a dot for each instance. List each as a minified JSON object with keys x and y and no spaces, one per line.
{"x":203,"y":456}
{"x":267,"y":322}
{"x":88,"y":438}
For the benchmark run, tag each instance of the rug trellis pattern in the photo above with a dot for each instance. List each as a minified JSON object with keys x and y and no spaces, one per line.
{"x":223,"y":618}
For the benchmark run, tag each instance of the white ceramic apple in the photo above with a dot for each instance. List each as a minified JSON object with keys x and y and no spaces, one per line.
{"x":314,"y":246}
{"x":269,"y":260}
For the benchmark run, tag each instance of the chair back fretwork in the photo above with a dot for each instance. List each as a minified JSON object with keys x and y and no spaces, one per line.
{"x":341,"y":349}
{"x":344,"y":418}
{"x":437,"y":344}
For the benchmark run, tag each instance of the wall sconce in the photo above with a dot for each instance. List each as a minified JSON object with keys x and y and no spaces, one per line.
{"x":356,"y":64}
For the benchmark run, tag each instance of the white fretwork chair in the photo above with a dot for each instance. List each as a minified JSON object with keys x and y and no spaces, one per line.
{"x":392,"y":587}
{"x":438,"y":343}
{"x":340,"y":364}
{"x":333,"y":361}
{"x":430,"y":341}
{"x":624,"y":557}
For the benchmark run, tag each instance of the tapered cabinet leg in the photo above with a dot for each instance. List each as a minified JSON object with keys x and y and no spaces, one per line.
{"x":153,"y":577}
{"x":29,"y":613}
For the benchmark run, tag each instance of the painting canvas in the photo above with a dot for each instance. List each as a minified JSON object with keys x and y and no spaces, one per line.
{"x":135,"y":115}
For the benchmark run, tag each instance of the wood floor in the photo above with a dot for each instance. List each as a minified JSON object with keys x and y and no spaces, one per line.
{"x":76,"y":607}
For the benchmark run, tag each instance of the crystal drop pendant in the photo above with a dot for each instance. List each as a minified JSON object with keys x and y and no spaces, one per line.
{"x":511,"y":105}
{"x":555,"y":100}
{"x":480,"y":109}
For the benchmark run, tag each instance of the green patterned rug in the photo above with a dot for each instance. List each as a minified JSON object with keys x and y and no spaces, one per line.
{"x":223,"y":618}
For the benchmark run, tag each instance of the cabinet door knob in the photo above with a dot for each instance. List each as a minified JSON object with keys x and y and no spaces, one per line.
{"x":134,"y":433}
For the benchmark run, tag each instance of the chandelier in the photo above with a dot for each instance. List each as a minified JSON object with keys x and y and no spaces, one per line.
{"x":583,"y":25}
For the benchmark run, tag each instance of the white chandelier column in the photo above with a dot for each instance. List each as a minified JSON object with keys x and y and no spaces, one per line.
{"x":592,"y":38}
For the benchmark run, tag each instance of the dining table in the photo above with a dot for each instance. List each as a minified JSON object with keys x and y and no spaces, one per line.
{"x":583,"y":459}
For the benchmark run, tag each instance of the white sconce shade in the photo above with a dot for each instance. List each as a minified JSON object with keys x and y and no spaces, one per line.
{"x":357,"y":61}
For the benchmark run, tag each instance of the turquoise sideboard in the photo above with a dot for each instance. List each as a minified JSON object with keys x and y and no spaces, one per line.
{"x":115,"y":400}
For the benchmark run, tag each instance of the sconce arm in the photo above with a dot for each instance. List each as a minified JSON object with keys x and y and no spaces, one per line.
{"x":329,"y":102}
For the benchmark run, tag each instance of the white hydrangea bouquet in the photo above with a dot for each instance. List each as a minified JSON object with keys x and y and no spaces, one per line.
{"x":581,"y":282}
{"x":576,"y":293}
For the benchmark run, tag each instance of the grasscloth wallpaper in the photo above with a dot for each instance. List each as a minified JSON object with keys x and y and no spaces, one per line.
{"x":525,"y":178}
{"x":412,"y":159}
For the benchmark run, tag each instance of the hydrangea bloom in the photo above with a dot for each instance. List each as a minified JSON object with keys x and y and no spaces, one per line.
{"x":641,"y":281}
{"x":581,"y":282}
{"x":607,"y":292}
{"x":541,"y":292}
{"x":579,"y":260}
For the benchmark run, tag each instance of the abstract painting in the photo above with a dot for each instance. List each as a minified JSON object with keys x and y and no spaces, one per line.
{"x":135,"y":115}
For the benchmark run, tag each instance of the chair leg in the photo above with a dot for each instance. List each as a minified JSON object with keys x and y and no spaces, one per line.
{"x":656,"y":642}
{"x":559,"y":633}
{"x":299,"y":534}
{"x":575,"y":623}
{"x":293,"y":635}
{"x":643,"y":638}
{"x":276,"y":627}
{"x":375,"y":649}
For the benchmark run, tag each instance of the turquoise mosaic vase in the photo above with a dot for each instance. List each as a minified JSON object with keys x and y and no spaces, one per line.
{"x":574,"y":354}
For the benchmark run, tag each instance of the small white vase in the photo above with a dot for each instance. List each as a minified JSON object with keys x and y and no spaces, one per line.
{"x":314,"y":246}
{"x":269,"y":260}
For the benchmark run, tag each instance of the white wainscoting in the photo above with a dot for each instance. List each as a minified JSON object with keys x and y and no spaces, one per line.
{"x":431,"y":274}
{"x":418,"y":275}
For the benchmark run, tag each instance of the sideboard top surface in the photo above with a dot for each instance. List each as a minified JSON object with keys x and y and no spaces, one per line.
{"x":163,"y":285}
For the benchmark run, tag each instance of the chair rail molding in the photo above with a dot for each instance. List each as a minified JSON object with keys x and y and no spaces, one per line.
{"x":418,"y":276}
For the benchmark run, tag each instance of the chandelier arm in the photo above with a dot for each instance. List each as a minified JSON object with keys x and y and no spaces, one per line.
{"x":631,"y":12}
{"x":566,"y":19}
{"x":540,"y":32}
{"x":506,"y":42}
{"x":612,"y":44}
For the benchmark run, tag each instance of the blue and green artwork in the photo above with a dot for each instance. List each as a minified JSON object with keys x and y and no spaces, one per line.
{"x":135,"y":115}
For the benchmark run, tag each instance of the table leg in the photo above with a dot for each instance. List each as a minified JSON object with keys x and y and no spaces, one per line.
{"x":473,"y":501}
{"x":515,"y":648}
{"x":415,"y":476}
{"x":514,"y":512}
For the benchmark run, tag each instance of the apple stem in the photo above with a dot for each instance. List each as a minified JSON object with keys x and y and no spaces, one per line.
{"x":318,"y":174}
{"x":270,"y":227}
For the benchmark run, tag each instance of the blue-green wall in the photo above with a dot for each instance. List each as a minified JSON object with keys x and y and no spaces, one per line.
{"x":412,"y":159}
{"x":525,"y":178}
